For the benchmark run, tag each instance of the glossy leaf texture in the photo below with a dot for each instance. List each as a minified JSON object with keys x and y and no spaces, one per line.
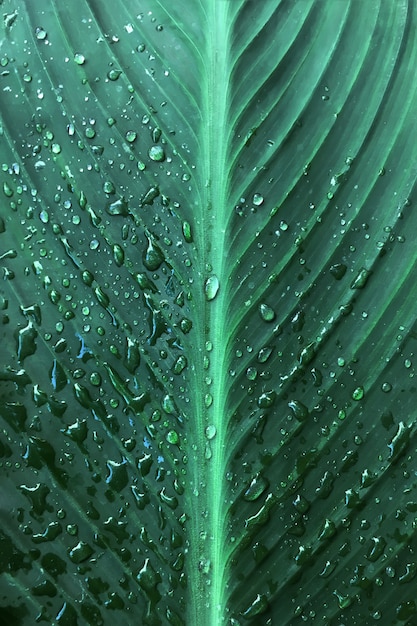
{"x":207,"y":370}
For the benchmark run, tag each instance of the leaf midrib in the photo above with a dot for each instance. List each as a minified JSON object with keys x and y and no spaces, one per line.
{"x":208,"y":509}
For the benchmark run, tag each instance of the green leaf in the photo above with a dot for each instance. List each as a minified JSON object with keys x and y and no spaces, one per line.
{"x":208,"y":312}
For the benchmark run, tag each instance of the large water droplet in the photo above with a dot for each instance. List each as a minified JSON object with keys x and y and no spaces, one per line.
{"x":118,"y":255}
{"x":210,"y":431}
{"x":40,"y":33}
{"x":266,"y":312}
{"x":79,"y":58}
{"x":118,"y":207}
{"x":256,"y":488}
{"x":153,"y":256}
{"x":157,"y":153}
{"x":180,"y":364}
{"x":264,"y":354}
{"x":26,"y":345}
{"x":186,"y":231}
{"x":361,"y":279}
{"x":211,"y":287}
{"x":257,"y":199}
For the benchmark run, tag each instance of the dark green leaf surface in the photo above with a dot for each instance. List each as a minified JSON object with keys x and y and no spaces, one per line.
{"x":207,"y":370}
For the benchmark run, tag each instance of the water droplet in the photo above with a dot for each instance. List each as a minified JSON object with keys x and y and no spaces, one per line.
{"x":131,"y":136}
{"x":186,"y":325}
{"x":210,"y":431}
{"x":258,"y":606}
{"x":376,"y":549}
{"x":57,"y":376}
{"x":168,"y":405}
{"x":180,"y":364}
{"x":256,"y":488}
{"x":109,"y":188}
{"x":118,"y":207}
{"x":117,"y":478}
{"x":26,"y":345}
{"x":153,"y":256}
{"x":299,"y":410}
{"x":211,"y":287}
{"x":338,"y":270}
{"x":89,"y":132}
{"x":157,"y":153}
{"x":264,"y":354}
{"x":399,"y":442}
{"x":40,"y":33}
{"x":358,"y":393}
{"x":148,"y":579}
{"x":208,"y":400}
{"x":7,"y":190}
{"x":113,"y":74}
{"x":79,"y":58}
{"x":132,"y":356}
{"x":266,"y":399}
{"x":361,"y":279}
{"x":81,"y":552}
{"x":87,"y":277}
{"x":251,"y":373}
{"x":266,"y":312}
{"x":95,"y":379}
{"x":307,"y":354}
{"x":186,"y":231}
{"x":156,"y":134}
{"x":172,"y":437}
{"x":150,"y":196}
{"x":257,"y":199}
{"x":118,"y":255}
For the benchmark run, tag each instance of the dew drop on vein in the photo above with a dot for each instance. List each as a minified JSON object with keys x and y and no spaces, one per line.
{"x":211,"y":287}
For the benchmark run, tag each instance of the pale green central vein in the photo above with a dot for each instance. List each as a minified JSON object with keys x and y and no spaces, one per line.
{"x":209,"y":584}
